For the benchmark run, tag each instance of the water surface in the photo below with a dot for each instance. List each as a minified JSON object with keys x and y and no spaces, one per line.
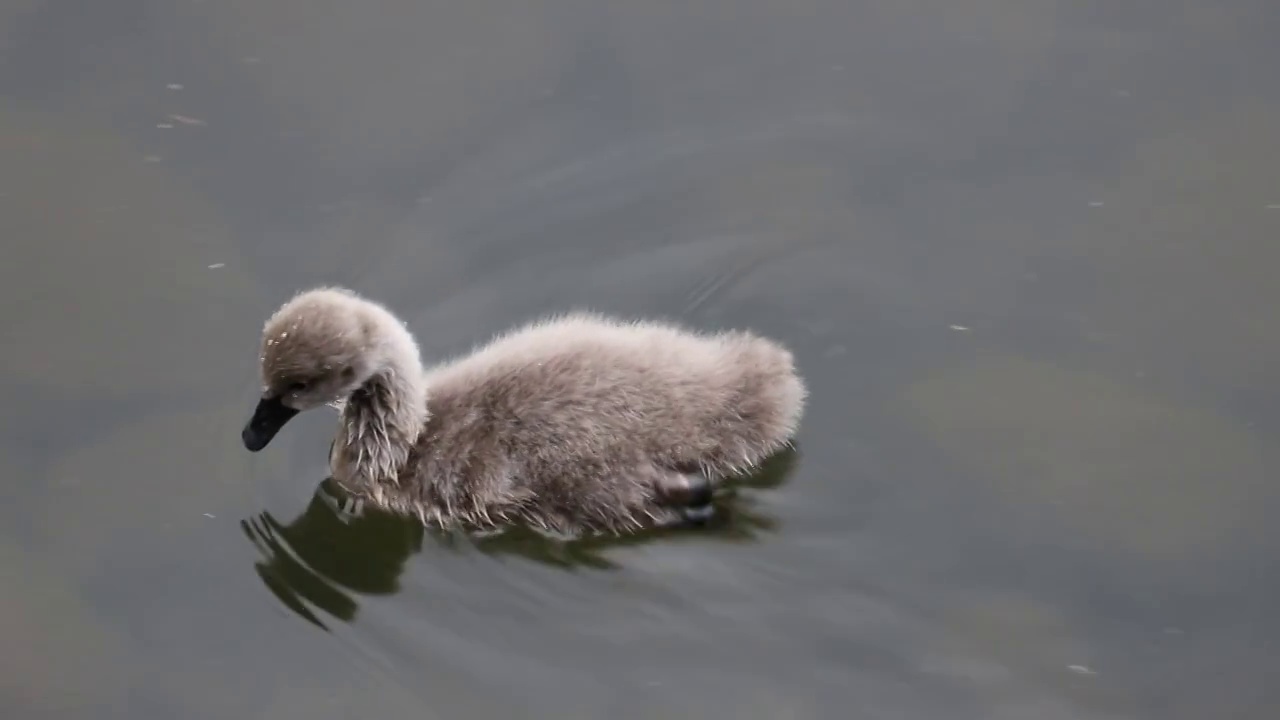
{"x":1024,"y":253}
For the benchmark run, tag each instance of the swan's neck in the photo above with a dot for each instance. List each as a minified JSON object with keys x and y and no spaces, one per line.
{"x":381,"y":422}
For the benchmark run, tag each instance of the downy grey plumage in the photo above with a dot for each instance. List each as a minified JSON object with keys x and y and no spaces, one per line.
{"x":574,"y":423}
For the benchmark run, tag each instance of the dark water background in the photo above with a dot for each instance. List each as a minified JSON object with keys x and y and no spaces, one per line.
{"x":1025,"y":251}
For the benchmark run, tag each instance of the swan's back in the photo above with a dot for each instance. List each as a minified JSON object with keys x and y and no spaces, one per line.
{"x":583,"y":393}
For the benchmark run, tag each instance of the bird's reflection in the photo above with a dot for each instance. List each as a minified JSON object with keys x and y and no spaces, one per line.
{"x":328,"y":554}
{"x":334,"y":552}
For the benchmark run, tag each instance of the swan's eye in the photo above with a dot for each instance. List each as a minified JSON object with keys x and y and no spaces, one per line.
{"x":297,"y":387}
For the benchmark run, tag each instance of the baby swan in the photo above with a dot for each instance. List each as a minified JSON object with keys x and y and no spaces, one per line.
{"x":578,"y":423}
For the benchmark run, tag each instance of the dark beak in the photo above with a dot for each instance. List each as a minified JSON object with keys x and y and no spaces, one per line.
{"x":268,"y":418}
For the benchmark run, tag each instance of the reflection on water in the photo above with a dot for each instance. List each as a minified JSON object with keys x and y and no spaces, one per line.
{"x":321,"y":557}
{"x":328,"y":555}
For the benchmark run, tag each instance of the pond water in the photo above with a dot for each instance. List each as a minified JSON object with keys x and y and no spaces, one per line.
{"x":1025,"y":253}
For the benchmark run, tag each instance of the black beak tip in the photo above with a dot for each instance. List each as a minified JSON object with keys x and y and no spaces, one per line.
{"x":253,"y":442}
{"x":268,"y":418}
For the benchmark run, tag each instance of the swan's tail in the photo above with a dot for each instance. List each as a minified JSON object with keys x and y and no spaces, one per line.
{"x":765,"y":403}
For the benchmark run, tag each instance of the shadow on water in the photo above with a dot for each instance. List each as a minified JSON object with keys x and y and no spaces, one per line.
{"x":326,"y":557}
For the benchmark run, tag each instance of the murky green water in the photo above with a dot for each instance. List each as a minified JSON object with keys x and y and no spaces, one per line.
{"x":1025,"y":253}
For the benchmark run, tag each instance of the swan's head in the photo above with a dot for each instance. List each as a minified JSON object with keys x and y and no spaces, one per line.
{"x":317,"y":349}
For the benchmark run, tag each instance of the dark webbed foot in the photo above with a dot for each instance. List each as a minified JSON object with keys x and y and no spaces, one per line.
{"x":688,"y":492}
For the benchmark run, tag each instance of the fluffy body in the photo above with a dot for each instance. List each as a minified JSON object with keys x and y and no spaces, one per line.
{"x":574,"y":423}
